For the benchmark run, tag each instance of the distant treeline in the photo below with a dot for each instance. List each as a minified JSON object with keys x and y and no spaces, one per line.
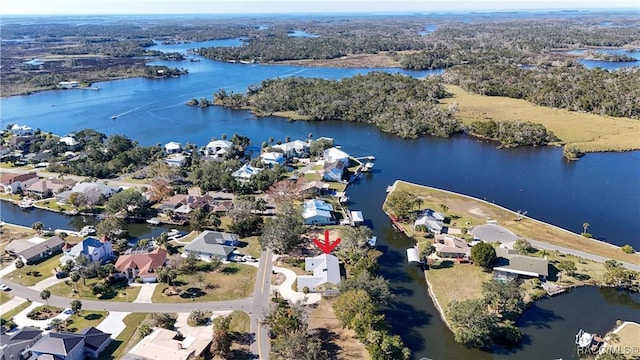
{"x":575,"y":88}
{"x":512,"y":133}
{"x":395,"y":103}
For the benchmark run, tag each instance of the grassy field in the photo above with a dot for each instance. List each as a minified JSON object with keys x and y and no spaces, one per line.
{"x":240,"y":321}
{"x":32,"y":274}
{"x":86,"y":318}
{"x":590,"y":132}
{"x":339,"y":342}
{"x":122,"y":292}
{"x":126,"y":339}
{"x":477,"y":212}
{"x":629,"y":336}
{"x":4,"y":297}
{"x":233,"y":281}
{"x":467,"y":277}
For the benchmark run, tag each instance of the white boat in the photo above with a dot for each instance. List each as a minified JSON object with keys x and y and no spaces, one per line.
{"x":583,"y":339}
{"x":26,"y":204}
{"x":153,"y":221}
{"x":114,"y":116}
{"x":87,"y":230}
{"x":173,"y":232}
{"x":372,"y":242}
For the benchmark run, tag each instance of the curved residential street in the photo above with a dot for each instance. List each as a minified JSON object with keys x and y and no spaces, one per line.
{"x":254,"y":306}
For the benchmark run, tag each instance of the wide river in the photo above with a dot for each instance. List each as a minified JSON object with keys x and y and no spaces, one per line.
{"x":601,"y":189}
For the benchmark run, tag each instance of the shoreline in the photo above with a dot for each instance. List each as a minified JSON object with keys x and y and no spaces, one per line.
{"x":625,"y":259}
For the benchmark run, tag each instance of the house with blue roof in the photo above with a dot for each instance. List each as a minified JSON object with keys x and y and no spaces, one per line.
{"x":317,"y":212}
{"x":95,"y":250}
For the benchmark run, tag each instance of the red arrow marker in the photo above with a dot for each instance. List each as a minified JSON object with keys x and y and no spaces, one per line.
{"x":328,"y":246}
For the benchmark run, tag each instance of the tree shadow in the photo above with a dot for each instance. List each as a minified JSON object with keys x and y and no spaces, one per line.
{"x":444,"y":264}
{"x":93,"y":316}
{"x":192,"y":292}
{"x":405,"y":319}
{"x":327,"y":341}
{"x":244,"y":338}
{"x":553,"y":273}
{"x":229,"y":270}
{"x":537,"y":317}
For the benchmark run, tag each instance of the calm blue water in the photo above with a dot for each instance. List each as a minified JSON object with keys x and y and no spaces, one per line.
{"x":302,"y":34}
{"x":601,"y":189}
{"x":182,"y":48}
{"x":609,"y":65}
{"x":428,"y":29}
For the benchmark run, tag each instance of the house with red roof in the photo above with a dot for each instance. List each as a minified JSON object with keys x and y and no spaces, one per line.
{"x":141,"y":263}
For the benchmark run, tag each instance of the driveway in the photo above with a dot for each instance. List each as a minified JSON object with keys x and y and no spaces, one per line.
{"x":9,"y":269}
{"x":145,"y":294}
{"x":493,"y":232}
{"x":113,"y":323}
{"x":287,"y":291}
{"x":22,"y":320}
{"x":43,"y":284}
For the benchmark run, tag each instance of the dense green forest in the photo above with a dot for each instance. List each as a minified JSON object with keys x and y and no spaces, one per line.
{"x":512,"y":133}
{"x":395,"y":103}
{"x":575,"y":88}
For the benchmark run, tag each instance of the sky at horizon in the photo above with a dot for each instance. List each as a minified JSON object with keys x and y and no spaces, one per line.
{"x":132,"y":7}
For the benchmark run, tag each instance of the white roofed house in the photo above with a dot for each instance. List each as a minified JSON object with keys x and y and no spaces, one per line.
{"x":173,"y":147}
{"x":88,"y":187}
{"x":272,"y":158}
{"x":217,"y":149}
{"x":21,"y":130}
{"x":325,"y":275}
{"x":177,"y":160}
{"x":212,"y":244}
{"x":296,"y":148}
{"x":448,"y":246}
{"x":334,"y":154}
{"x":317,"y":212}
{"x":245,"y":173}
{"x":431,"y":220}
{"x":70,"y":142}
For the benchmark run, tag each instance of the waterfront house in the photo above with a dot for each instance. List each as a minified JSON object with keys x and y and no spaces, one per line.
{"x":217,"y":149}
{"x":317,"y":212}
{"x":272,"y":158}
{"x":431,"y":220}
{"x":315,"y":187}
{"x":334,"y":154}
{"x":222,"y":206}
{"x":12,"y":183}
{"x":448,"y":246}
{"x":296,"y":148}
{"x":177,"y":160}
{"x":35,"y":249}
{"x":325,"y":273}
{"x":511,"y":264}
{"x":333,"y":171}
{"x":212,"y":244}
{"x":21,"y":143}
{"x":169,"y":344}
{"x":87,"y":344}
{"x":142,"y":263}
{"x":16,"y":345}
{"x":95,"y":250}
{"x":88,"y":187}
{"x":245,"y":173}
{"x":68,"y":84}
{"x":70,"y":142}
{"x":21,"y":130}
{"x":173,"y":147}
{"x":45,"y":188}
{"x":185,"y":203}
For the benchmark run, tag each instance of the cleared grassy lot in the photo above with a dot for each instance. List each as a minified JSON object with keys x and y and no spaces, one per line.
{"x":232,"y":281}
{"x":590,"y":132}
{"x":468,"y":281}
{"x":120,"y":291}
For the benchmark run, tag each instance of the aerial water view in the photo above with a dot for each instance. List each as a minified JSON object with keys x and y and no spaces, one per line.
{"x":384,"y":180}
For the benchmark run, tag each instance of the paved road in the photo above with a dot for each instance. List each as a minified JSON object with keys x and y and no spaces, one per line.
{"x":582,"y":254}
{"x":260,"y":303}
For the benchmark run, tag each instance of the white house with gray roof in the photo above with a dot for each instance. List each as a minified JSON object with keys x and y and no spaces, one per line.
{"x":317,"y":212}
{"x":212,"y":244}
{"x":325,"y":271}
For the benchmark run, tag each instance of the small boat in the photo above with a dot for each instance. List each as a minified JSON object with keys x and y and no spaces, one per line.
{"x":173,"y":232}
{"x":26,"y":204}
{"x":372,"y":242}
{"x":153,"y":221}
{"x":114,"y":116}
{"x":87,"y":230}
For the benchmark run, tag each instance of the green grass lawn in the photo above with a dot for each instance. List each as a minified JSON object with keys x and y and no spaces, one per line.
{"x":126,"y":339}
{"x":16,"y":310}
{"x":252,"y":248}
{"x":232,"y":281}
{"x":86,"y":318}
{"x":240,"y":321}
{"x":53,"y":205}
{"x":4,"y":297}
{"x":468,"y":281}
{"x":32,"y":274}
{"x":121,"y":291}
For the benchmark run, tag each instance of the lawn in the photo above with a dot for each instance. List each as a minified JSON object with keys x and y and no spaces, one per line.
{"x":126,"y":339}
{"x":476,"y":211}
{"x":15,"y":311}
{"x":590,"y":132}
{"x":252,"y":246}
{"x":86,"y":318}
{"x":121,"y":290}
{"x":468,"y":281}
{"x":232,"y":281}
{"x":4,"y":297}
{"x":52,"y":204}
{"x":629,"y":336}
{"x":32,"y":274}
{"x":240,"y":322}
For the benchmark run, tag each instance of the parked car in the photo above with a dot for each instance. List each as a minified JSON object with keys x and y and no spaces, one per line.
{"x":250,"y":258}
{"x":61,"y":274}
{"x":4,"y":287}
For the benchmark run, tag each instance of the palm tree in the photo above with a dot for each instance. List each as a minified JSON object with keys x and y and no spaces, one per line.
{"x":585,"y":227}
{"x":613,"y":337}
{"x":37,"y":226}
{"x":444,"y":208}
{"x":56,"y":325}
{"x":45,"y":295}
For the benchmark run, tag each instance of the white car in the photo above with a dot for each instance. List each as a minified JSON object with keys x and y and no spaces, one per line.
{"x":4,"y":287}
{"x":250,"y":259}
